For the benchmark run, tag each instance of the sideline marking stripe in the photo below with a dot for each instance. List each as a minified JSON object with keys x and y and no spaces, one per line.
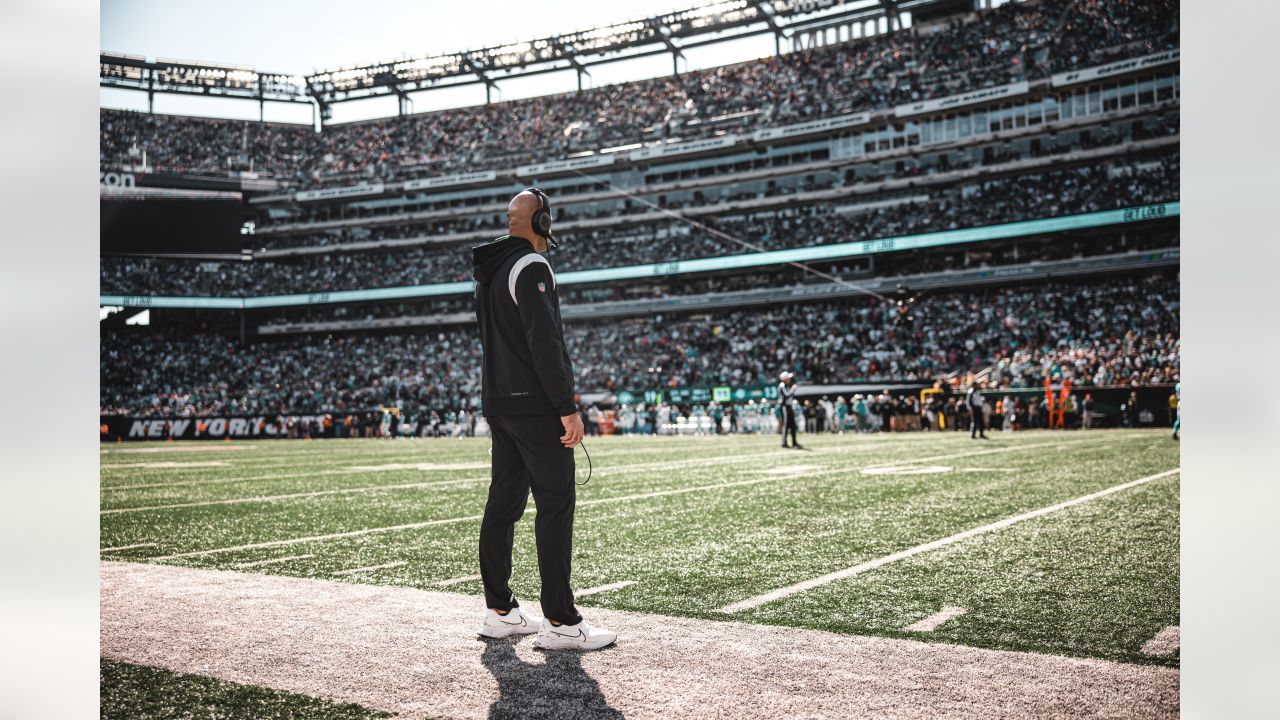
{"x":604,"y":588}
{"x":849,"y":450}
{"x":166,"y":465}
{"x":625,"y":469}
{"x":295,"y":496}
{"x":346,"y":471}
{"x":1166,"y":642}
{"x":127,"y":547}
{"x":932,"y":622}
{"x":472,"y":518}
{"x":800,"y":587}
{"x":273,"y":561}
{"x":384,"y":566}
{"x":458,"y":580}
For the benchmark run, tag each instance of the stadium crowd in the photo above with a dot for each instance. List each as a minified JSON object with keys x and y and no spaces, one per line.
{"x":1019,"y":40}
{"x":1121,"y":331}
{"x":1003,"y":199}
{"x":928,"y":166}
{"x":988,"y":255}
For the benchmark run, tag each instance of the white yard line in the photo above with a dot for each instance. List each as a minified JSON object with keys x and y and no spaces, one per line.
{"x":1165,"y":642}
{"x":800,"y":587}
{"x":213,"y":481}
{"x":167,"y":465}
{"x":295,"y":496}
{"x":599,"y":501}
{"x":179,"y":448}
{"x":935,"y":620}
{"x":370,"y":568}
{"x":127,"y":547}
{"x":273,"y":561}
{"x":603,"y":588}
{"x":458,"y":580}
{"x":347,"y":471}
{"x":372,"y":488}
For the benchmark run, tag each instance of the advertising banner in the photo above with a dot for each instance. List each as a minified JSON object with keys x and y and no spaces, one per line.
{"x":969,"y":98}
{"x":1168,"y":57}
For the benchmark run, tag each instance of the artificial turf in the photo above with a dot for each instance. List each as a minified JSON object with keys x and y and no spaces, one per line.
{"x":134,"y":692}
{"x":700,"y":523}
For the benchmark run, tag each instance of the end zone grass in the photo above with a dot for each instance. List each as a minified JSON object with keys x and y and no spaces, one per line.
{"x":700,"y":523}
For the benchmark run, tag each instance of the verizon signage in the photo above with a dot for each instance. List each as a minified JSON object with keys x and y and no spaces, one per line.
{"x":970,"y":98}
{"x":339,"y":192}
{"x":562,"y":165}
{"x":809,"y":128}
{"x":448,"y":180}
{"x":116,"y":179}
{"x":1168,"y":57}
{"x":684,"y":148}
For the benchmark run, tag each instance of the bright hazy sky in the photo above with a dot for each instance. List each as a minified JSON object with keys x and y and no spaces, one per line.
{"x":297,"y":37}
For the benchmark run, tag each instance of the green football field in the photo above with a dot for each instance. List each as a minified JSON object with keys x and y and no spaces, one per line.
{"x":713,"y":527}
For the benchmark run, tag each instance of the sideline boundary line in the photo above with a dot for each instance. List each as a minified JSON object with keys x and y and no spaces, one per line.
{"x":604,"y":472}
{"x":773,"y":595}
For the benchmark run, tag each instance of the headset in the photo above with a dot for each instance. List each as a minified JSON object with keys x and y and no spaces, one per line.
{"x":541,"y":220}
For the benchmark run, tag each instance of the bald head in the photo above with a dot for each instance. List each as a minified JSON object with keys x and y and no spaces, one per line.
{"x":520,"y":219}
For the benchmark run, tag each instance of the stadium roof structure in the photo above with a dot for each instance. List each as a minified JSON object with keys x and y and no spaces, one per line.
{"x":795,"y":21}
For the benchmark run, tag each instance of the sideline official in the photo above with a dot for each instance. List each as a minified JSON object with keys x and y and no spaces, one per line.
{"x":528,"y":401}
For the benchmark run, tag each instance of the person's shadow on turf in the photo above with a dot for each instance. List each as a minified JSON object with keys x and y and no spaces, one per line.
{"x":559,"y":688}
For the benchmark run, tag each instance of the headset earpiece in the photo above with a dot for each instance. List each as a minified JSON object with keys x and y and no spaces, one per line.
{"x":541,"y":220}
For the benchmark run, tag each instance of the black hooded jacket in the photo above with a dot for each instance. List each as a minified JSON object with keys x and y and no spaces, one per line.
{"x":526,"y":368}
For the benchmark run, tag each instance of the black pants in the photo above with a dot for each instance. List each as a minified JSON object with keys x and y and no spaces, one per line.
{"x":789,"y":426}
{"x":979,"y":424}
{"x":527,"y":455}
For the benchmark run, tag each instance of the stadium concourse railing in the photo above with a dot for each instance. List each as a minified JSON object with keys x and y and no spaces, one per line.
{"x":834,"y":251}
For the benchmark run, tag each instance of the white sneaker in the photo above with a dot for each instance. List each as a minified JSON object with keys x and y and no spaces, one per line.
{"x":516,"y":622}
{"x":582,"y":636}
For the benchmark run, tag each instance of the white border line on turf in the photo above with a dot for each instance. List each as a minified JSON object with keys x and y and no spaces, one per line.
{"x":384,"y":566}
{"x":935,"y":620}
{"x":295,"y":496}
{"x":457,"y":580}
{"x":604,"y":588}
{"x":758,"y":600}
{"x":598,"y":501}
{"x":127,"y":547}
{"x":1166,"y":642}
{"x":623,"y":469}
{"x":272,"y":561}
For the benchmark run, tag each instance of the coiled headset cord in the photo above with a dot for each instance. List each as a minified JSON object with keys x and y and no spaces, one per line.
{"x":590,"y":468}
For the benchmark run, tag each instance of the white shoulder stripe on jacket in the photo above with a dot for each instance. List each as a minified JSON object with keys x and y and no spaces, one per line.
{"x":520,"y":265}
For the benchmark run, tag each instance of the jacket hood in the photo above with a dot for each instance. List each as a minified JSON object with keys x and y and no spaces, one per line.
{"x":488,"y":258}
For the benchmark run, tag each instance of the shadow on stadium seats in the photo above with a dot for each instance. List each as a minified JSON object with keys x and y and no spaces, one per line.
{"x":558,"y":688}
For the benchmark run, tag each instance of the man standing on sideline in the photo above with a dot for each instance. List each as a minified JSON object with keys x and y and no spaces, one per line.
{"x":976,"y":405}
{"x":528,"y":401}
{"x":786,"y":398}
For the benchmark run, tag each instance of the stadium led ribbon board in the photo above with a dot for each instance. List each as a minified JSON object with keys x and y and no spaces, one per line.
{"x":683,"y":267}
